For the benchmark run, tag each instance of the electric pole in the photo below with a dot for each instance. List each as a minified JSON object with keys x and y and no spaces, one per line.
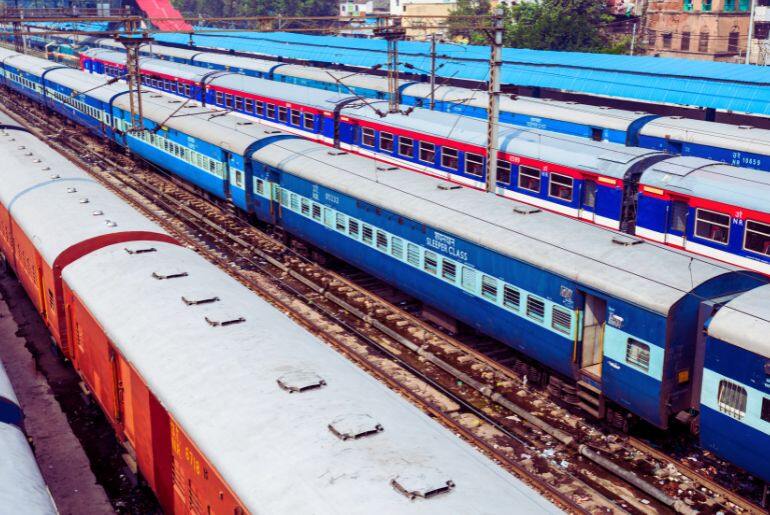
{"x":433,"y":71}
{"x":751,"y":31}
{"x":493,"y":112}
{"x":134,"y":76}
{"x":392,"y":34}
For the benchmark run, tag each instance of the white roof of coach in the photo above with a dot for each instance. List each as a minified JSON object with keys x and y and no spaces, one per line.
{"x":745,"y":321}
{"x":236,"y":63}
{"x":734,"y":137}
{"x":351,"y":79}
{"x":273,"y":448}
{"x":6,"y":390}
{"x":646,"y":274}
{"x":22,"y":489}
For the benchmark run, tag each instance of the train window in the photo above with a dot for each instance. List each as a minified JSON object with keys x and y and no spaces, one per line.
{"x":294,"y":202}
{"x":405,"y":146}
{"x":271,"y":110}
{"x":427,"y":152}
{"x":341,"y":222}
{"x":260,"y":108}
{"x":561,"y":320}
{"x":638,"y":353}
{"x":248,"y":105}
{"x":367,"y":137}
{"x":529,"y":178}
{"x":489,"y":288}
{"x":295,"y":117}
{"x":535,"y":308}
{"x":219,"y":98}
{"x":448,"y":270}
{"x":282,"y":114}
{"x":187,"y":90}
{"x":474,"y":164}
{"x":503,"y":171}
{"x":316,"y":212}
{"x":468,"y":278}
{"x":449,"y":158}
{"x":413,"y":254}
{"x":353,"y":227}
{"x":367,"y":235}
{"x":397,"y":248}
{"x":589,"y":194}
{"x":713,"y":226}
{"x":239,"y":103}
{"x":305,"y":207}
{"x":260,"y":186}
{"x":679,"y":216}
{"x":561,"y":186}
{"x":309,"y":121}
{"x":596,"y":134}
{"x":511,"y":297}
{"x":229,"y":101}
{"x":731,"y":399}
{"x":386,"y":141}
{"x":765,"y":409}
{"x":430,"y":262}
{"x":382,"y":241}
{"x":757,"y":237}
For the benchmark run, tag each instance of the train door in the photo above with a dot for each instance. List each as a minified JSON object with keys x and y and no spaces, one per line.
{"x":588,"y":201}
{"x":676,"y":230}
{"x":125,"y":396}
{"x":227,"y":194}
{"x":594,"y":317}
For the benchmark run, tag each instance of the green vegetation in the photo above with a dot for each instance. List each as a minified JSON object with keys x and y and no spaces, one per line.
{"x":224,"y":8}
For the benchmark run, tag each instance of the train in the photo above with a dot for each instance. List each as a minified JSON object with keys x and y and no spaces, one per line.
{"x":622,"y":320}
{"x":22,"y":488}
{"x":225,"y":403}
{"x":738,"y":145}
{"x":691,"y":203}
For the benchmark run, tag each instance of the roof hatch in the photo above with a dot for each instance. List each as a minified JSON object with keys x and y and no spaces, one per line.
{"x":626,"y":241}
{"x":354,"y":426}
{"x":525,"y":210}
{"x":300,"y":381}
{"x":170,"y":273}
{"x":196,"y":299}
{"x":139,"y":249}
{"x":425,"y":483}
{"x":223,"y":317}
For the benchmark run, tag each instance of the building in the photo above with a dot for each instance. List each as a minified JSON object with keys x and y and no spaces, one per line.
{"x":697,"y":29}
{"x":760,"y":42}
{"x":356,"y":7}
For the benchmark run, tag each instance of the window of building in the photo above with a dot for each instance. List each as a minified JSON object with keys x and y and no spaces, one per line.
{"x":282,"y":114}
{"x":757,"y":237}
{"x":651,"y":38}
{"x":450,"y":158}
{"x":474,"y":164}
{"x":713,"y":226}
{"x":561,"y":320}
{"x":405,"y":146}
{"x":535,"y":308}
{"x":731,"y":399}
{"x":687,"y":5}
{"x":529,"y":178}
{"x":638,"y":353}
{"x":503,"y":171}
{"x":511,"y":297}
{"x":489,"y":288}
{"x":430,"y":262}
{"x":427,"y":152}
{"x":295,"y":117}
{"x":667,"y":37}
{"x":729,"y":5}
{"x":703,"y":42}
{"x":732,"y":41}
{"x":743,"y":5}
{"x":561,"y":187}
{"x":386,"y":141}
{"x":448,"y":270}
{"x":685,"y":46}
{"x":367,"y":137}
{"x":706,"y":5}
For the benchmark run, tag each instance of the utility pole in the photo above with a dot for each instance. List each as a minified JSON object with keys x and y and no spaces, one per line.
{"x":633,"y":38}
{"x":392,"y":34}
{"x":134,"y":77}
{"x":433,"y":71}
{"x":493,"y":112}
{"x":751,"y":30}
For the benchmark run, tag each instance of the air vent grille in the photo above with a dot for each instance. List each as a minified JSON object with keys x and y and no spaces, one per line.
{"x":300,"y":381}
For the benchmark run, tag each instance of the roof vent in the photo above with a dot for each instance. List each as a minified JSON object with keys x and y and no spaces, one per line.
{"x":272,"y":132}
{"x":222,"y":318}
{"x":37,"y":160}
{"x":97,"y":212}
{"x":46,"y":168}
{"x":626,"y":241}
{"x":174,"y":101}
{"x":55,"y":176}
{"x":21,"y":147}
{"x":156,"y":96}
{"x":677,"y":117}
{"x":423,"y":483}
{"x":72,"y":190}
{"x":525,"y":210}
{"x":139,"y":250}
{"x":384,"y":168}
{"x":84,"y":200}
{"x":110,"y":223}
{"x":244,"y":123}
{"x":336,"y":152}
{"x":300,"y":381}
{"x":745,"y":127}
{"x":28,"y":153}
{"x":194,"y":300}
{"x":354,"y":427}
{"x":169,"y":274}
{"x":446,"y":186}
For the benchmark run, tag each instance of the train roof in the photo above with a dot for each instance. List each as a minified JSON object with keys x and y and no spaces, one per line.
{"x":38,"y":185}
{"x":706,"y":179}
{"x":235,"y":63}
{"x":744,"y":138}
{"x":317,"y":98}
{"x":273,"y":448}
{"x":22,"y":489}
{"x":598,"y":116}
{"x":6,"y":389}
{"x":745,"y":322}
{"x":165,"y":50}
{"x":348,"y":78}
{"x":608,"y":159}
{"x":643,"y":273}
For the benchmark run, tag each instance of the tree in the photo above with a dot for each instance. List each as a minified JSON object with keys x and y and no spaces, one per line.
{"x":224,"y":8}
{"x":458,"y":21}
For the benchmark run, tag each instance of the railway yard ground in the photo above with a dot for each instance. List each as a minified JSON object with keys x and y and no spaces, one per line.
{"x":486,"y":394}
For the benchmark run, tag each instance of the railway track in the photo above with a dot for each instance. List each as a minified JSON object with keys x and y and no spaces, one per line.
{"x":573,"y":462}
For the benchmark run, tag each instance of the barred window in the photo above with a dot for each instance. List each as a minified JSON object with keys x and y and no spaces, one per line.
{"x":316,"y":212}
{"x":353,"y":227}
{"x":294,"y":202}
{"x":431,"y":262}
{"x":561,"y":186}
{"x":511,"y":297}
{"x":489,"y":287}
{"x":529,"y":178}
{"x":450,"y":158}
{"x":341,"y":222}
{"x":397,"y":248}
{"x":382,"y":241}
{"x":413,"y":254}
{"x":367,"y":235}
{"x":448,"y":270}
{"x":468,"y":278}
{"x":427,"y":152}
{"x":386,"y":141}
{"x":367,"y":137}
{"x":638,"y":353}
{"x":712,"y":226}
{"x":474,"y":164}
{"x":731,"y":399}
{"x":305,"y":207}
{"x":405,"y":146}
{"x":561,"y":320}
{"x":535,"y":308}
{"x":260,"y":186}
